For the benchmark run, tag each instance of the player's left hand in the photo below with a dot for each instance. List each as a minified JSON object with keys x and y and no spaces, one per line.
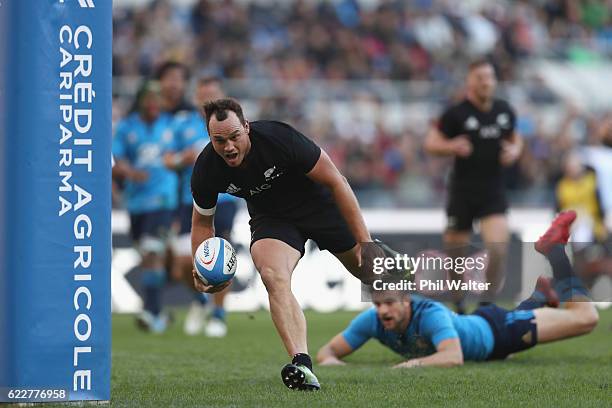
{"x":409,"y":364}
{"x":367,"y":252}
{"x":510,"y":152}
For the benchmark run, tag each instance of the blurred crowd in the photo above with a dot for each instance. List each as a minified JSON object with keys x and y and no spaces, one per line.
{"x":250,"y":43}
{"x":345,"y":39}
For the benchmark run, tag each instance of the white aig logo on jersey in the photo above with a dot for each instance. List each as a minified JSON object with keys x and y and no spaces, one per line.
{"x":232,"y":189}
{"x":84,"y":3}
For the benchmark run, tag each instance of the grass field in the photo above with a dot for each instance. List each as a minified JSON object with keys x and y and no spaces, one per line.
{"x":173,"y":370}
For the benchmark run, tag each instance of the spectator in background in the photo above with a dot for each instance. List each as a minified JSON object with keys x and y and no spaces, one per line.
{"x":578,"y":190}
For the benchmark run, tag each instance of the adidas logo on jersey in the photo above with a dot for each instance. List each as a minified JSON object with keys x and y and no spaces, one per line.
{"x":232,"y":189}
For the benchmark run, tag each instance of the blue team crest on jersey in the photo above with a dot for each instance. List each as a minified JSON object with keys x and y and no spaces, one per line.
{"x":413,"y":346}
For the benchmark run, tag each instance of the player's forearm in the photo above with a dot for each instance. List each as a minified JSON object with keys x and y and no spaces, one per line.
{"x":326,"y":354}
{"x":199,"y":233}
{"x":517,"y":141}
{"x":439,"y":359}
{"x":349,"y":208}
{"x":122,"y":170}
{"x":436,"y":145}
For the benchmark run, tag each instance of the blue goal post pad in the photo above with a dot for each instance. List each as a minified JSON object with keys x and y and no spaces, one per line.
{"x":55,"y":199}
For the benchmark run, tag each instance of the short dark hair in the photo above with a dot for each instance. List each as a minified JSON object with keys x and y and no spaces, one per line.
{"x":146,"y":87}
{"x":167,"y":66}
{"x":220,"y":107}
{"x":210,"y":79}
{"x":477,"y":63}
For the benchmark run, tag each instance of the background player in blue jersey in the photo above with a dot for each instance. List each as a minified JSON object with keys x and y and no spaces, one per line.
{"x":191,"y":136}
{"x":429,"y":334}
{"x":149,"y":192}
{"x":189,"y":139}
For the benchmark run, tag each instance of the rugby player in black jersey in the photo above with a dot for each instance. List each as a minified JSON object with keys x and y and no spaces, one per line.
{"x":294,"y":192}
{"x":479,"y":132}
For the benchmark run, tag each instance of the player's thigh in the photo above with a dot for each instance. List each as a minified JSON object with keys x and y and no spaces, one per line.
{"x":275,"y":260}
{"x":494,"y":229}
{"x":575,"y":319}
{"x":454,"y":239}
{"x":328,"y":228}
{"x":460,"y":216}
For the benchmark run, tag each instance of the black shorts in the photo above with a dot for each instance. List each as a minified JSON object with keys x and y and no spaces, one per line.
{"x":465,"y":206}
{"x":224,"y":217}
{"x":153,"y":223}
{"x":513,"y":330}
{"x":324,"y":225}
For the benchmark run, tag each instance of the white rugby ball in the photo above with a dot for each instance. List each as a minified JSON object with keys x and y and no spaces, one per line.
{"x":215,"y":261}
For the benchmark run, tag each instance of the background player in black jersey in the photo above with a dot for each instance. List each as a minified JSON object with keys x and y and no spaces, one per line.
{"x":480,"y":133}
{"x":294,"y":192}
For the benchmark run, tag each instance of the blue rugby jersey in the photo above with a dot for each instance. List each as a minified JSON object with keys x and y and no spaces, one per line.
{"x":430,"y":324}
{"x":143,"y":146}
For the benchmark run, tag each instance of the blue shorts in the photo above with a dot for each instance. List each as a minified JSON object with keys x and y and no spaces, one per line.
{"x":224,"y":218}
{"x":154,"y":224}
{"x":513,"y":330}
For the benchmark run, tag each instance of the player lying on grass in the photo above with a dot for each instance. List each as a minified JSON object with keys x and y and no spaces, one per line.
{"x":432,"y":335}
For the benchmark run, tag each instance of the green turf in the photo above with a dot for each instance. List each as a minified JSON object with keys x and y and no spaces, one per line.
{"x":173,"y":370}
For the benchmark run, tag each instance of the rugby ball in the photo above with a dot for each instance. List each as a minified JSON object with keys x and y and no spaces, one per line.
{"x":215,"y":261}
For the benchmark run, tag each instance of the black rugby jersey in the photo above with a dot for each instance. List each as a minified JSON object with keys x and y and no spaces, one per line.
{"x":272,"y":179}
{"x":485,"y":130}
